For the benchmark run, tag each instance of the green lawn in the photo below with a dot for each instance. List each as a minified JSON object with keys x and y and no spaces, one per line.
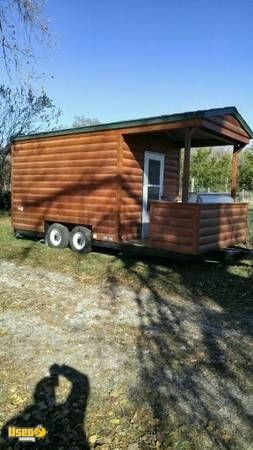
{"x":197,"y":278}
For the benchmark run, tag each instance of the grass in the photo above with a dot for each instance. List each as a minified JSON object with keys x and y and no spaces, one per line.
{"x":199,"y":278}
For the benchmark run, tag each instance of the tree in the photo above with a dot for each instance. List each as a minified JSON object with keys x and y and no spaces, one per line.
{"x":199,"y":167}
{"x":211,"y":169}
{"x":22,"y":112}
{"x":245,"y":178}
{"x":21,"y":24}
{"x":83,"y":121}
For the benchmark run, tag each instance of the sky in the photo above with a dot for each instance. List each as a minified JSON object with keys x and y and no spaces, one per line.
{"x":122,"y":60}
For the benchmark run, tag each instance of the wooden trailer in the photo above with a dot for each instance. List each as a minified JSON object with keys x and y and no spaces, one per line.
{"x":119,"y":183}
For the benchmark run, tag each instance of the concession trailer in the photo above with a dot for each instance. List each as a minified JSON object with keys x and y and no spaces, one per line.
{"x":119,"y":183}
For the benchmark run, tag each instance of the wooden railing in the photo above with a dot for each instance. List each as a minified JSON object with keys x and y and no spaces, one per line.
{"x":194,"y":228}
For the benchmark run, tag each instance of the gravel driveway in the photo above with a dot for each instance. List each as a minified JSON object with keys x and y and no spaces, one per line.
{"x":164,"y":372}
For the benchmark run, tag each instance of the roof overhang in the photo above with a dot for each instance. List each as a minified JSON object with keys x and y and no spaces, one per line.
{"x":215,"y":127}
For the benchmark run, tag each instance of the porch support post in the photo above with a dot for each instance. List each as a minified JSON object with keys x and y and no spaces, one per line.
{"x":235,"y":158}
{"x":189,"y":132}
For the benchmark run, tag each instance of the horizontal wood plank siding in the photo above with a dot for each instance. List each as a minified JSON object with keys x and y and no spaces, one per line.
{"x":71,"y":179}
{"x":222,"y":225}
{"x":173,"y":227}
{"x":197,"y":228}
{"x":134,"y":147}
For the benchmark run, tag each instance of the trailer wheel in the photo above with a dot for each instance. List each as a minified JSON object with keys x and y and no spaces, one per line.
{"x":80,"y":240}
{"x":57,"y":236}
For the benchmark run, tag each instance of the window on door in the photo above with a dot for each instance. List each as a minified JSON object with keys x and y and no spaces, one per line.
{"x":154,"y":180}
{"x":152,"y":185}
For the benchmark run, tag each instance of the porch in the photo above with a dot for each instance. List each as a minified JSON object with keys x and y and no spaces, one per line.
{"x":169,"y":221}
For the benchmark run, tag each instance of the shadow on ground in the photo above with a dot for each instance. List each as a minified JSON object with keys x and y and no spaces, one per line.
{"x":194,"y":350}
{"x":63,"y":422}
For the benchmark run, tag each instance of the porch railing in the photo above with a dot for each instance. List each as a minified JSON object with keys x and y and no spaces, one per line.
{"x":194,"y":228}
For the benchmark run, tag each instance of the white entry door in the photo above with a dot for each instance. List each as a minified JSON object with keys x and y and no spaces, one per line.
{"x":152,"y":185}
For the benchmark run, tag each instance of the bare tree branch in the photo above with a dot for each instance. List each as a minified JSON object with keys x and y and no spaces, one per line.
{"x":22,"y":112}
{"x":21,"y":23}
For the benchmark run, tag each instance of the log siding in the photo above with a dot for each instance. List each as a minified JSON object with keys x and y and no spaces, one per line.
{"x":197,"y":228}
{"x":70,"y":179}
{"x":134,"y":148}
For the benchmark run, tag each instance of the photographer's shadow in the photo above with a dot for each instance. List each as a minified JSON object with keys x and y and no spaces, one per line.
{"x":64,"y":422}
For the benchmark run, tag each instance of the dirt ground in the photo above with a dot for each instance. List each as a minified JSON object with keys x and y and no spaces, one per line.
{"x":152,"y":371}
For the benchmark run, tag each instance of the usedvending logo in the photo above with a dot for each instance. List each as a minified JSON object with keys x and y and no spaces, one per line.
{"x":27,"y":433}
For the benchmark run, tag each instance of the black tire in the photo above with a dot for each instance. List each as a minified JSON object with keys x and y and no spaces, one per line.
{"x":80,"y":240}
{"x":57,"y":236}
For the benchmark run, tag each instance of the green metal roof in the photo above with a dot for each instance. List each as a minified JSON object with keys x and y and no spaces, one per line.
{"x":143,"y":122}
